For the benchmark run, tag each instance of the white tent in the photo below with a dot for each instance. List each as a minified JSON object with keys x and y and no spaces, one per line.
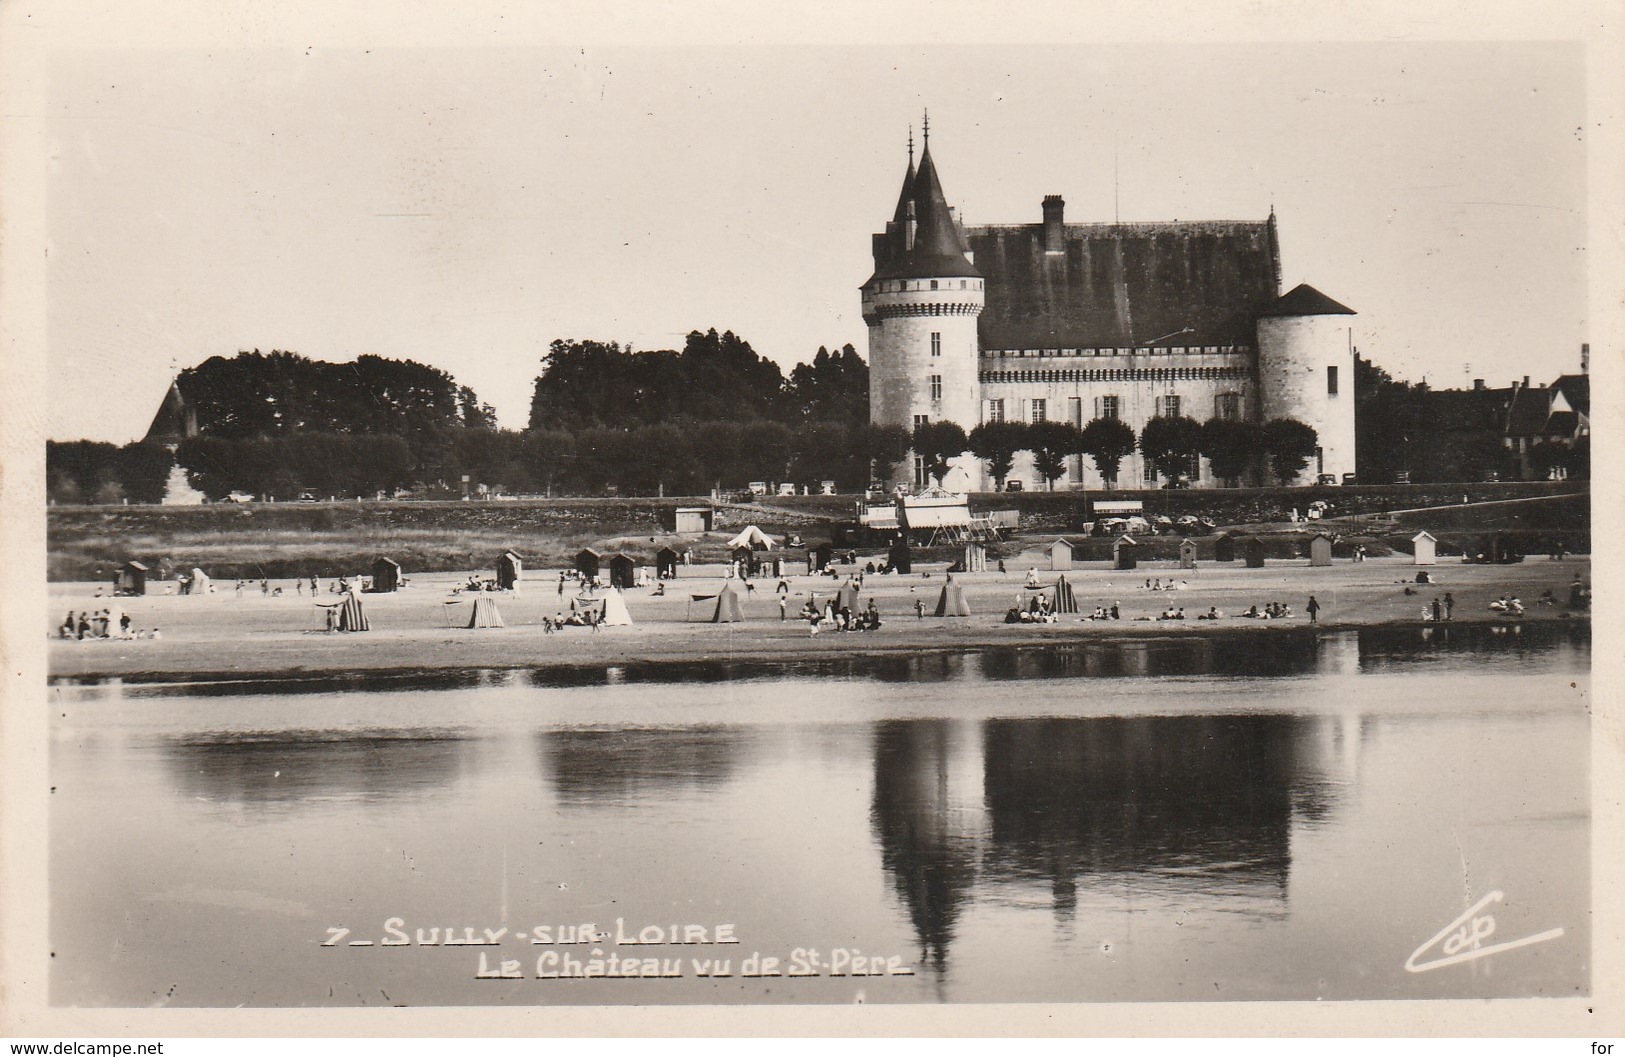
{"x":200,"y":582}
{"x":615,"y":614}
{"x":753,"y":538}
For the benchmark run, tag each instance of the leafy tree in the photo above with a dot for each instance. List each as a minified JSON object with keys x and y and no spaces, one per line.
{"x":75,"y":470}
{"x":998,"y":442}
{"x":143,"y":471}
{"x":938,"y":443}
{"x":1171,"y":443}
{"x":1578,"y":463}
{"x":834,"y":388}
{"x":1051,"y":444}
{"x":549,"y":455}
{"x":1107,"y":441}
{"x":1230,"y":445}
{"x":1289,"y":444}
{"x":882,"y":447}
{"x":1546,"y":456}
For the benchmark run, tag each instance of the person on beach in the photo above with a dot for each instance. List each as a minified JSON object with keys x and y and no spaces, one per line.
{"x":561,"y":585}
{"x":1313,"y":609}
{"x":1115,"y":614}
{"x":1449,"y":604}
{"x":784,"y":607}
{"x":1438,"y":610}
{"x":1001,"y":566}
{"x":919,"y":609}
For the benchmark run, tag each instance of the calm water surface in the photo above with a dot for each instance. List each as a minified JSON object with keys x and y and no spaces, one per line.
{"x":1278,"y":816}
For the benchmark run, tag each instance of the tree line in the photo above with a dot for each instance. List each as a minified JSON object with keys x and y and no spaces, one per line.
{"x":1171,"y":444}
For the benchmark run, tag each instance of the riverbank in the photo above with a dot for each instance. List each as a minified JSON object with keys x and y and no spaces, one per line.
{"x":227,"y":635}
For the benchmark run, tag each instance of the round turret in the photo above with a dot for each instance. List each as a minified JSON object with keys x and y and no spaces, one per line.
{"x":1306,"y":372}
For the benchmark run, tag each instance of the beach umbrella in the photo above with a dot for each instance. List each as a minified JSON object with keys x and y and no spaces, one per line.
{"x":951,"y":602}
{"x":485,"y":613}
{"x":1065,"y":600}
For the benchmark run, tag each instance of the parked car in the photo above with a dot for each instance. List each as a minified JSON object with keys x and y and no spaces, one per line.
{"x":1012,"y":486}
{"x":1326,"y":478}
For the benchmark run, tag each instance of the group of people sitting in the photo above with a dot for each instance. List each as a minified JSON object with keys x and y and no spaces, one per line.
{"x":1271,"y":611}
{"x":578,"y":618}
{"x":1038,"y":611}
{"x":1104,"y":613}
{"x":1509,"y":604}
{"x":842,"y":619}
{"x":100,"y":625}
{"x":1156,"y":584}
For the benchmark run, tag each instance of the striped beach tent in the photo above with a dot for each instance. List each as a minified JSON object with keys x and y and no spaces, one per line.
{"x":351,"y":616}
{"x":486,"y":614}
{"x":1065,"y":601}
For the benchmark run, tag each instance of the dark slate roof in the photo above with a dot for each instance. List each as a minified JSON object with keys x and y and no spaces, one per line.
{"x":1120,"y":285}
{"x":1531,"y":409}
{"x":1305,"y":300}
{"x":1576,"y":389}
{"x":938,"y":250}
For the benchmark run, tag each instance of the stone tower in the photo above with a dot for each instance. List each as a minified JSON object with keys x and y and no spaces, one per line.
{"x":921,"y":306}
{"x":1306,"y":372}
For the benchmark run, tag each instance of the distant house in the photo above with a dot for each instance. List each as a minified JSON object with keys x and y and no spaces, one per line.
{"x":1558,"y":414}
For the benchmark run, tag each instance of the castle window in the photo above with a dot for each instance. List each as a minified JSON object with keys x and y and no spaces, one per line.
{"x":962,"y":284}
{"x":1039,"y":410}
{"x":936,"y":343}
{"x":936,"y":387}
{"x":1108,"y":407}
{"x":1331,"y":380}
{"x":1150,"y":474}
{"x":1168,"y":406}
{"x":933,"y":284}
{"x":995,"y":410}
{"x":921,"y":420}
{"x":1227,"y":406}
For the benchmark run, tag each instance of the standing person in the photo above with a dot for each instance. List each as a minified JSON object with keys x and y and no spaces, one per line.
{"x":1314,"y":609}
{"x":919,"y":609}
{"x":1438,"y":610}
{"x":561,"y":584}
{"x":1116,"y":615}
{"x":784,"y":604}
{"x":1001,"y":566}
{"x":1449,"y":604}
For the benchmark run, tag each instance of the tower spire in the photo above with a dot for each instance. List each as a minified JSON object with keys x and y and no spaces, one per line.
{"x":911,"y":148}
{"x":928,"y":128}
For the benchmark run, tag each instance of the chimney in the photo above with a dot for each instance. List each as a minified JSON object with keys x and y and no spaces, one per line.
{"x":1526,"y":381}
{"x":1478,"y":385}
{"x":1585,"y":358}
{"x":1054,"y":226}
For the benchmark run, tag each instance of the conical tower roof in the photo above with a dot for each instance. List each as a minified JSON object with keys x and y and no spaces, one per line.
{"x":1305,"y":300}
{"x":175,"y":421}
{"x":938,"y":251}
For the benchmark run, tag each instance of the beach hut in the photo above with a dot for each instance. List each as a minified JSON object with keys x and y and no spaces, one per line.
{"x":351,"y":616}
{"x":1123,"y":556}
{"x":1224,"y":548}
{"x":692,"y":520}
{"x":728,"y":610}
{"x":510,"y":568}
{"x":132,"y":579}
{"x":1065,"y":601}
{"x":485,"y":613}
{"x":1060,"y":555}
{"x":1187,"y":554}
{"x":200,"y":582}
{"x":1252,"y":549}
{"x":623,"y":570}
{"x":386,"y":575}
{"x":951,"y":602}
{"x":666,"y":562}
{"x":900,"y":556}
{"x":1427,"y":548}
{"x":975,"y":556}
{"x":615,"y":611}
{"x":818,"y":555}
{"x":587,"y":563}
{"x":1320,"y":550}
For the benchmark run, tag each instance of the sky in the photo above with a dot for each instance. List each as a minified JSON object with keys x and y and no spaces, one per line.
{"x":463,"y":206}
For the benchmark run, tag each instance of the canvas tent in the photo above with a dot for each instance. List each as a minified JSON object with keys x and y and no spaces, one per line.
{"x":1065,"y":601}
{"x":510,"y":568}
{"x":666,"y":562}
{"x":818,"y":555}
{"x":846,"y":597}
{"x":975,"y":560}
{"x":132,"y":579}
{"x":485,"y":613}
{"x":199,"y":584}
{"x":951,"y":602}
{"x":752,"y":537}
{"x":623,"y":570}
{"x":615,"y":612}
{"x":1427,"y":548}
{"x":588,"y":562}
{"x":728,"y":610}
{"x":351,"y":616}
{"x":386,"y":575}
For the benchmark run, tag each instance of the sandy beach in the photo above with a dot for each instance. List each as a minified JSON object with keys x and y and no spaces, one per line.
{"x":421,"y":627}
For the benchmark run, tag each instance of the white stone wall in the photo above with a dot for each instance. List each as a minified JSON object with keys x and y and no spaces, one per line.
{"x":1138,"y":378}
{"x":1294,"y":354}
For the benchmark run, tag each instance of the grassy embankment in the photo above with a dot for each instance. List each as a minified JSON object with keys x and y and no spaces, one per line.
{"x":282,"y":540}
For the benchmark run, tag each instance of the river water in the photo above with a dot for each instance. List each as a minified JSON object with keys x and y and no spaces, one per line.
{"x":1266,"y":816}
